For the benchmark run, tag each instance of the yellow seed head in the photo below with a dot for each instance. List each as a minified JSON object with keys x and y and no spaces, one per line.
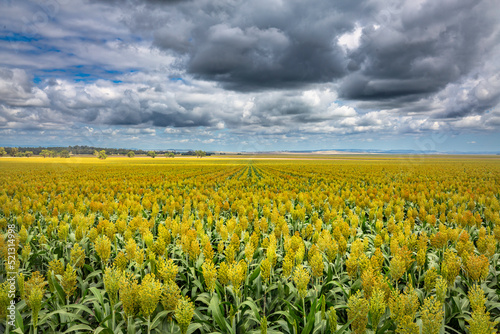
{"x":167,"y":270}
{"x":301,"y":279}
{"x":263,"y":325}
{"x":121,"y":261}
{"x":56,"y":266}
{"x":4,"y":298}
{"x":450,"y":268}
{"x":20,"y":285}
{"x":159,"y":247}
{"x":102,"y":247}
{"x":404,"y":305}
{"x":184,"y":313}
{"x":397,"y":267}
{"x":130,"y":248}
{"x":129,"y":295}
{"x":476,"y":298}
{"x":77,"y":256}
{"x":480,"y":323}
{"x":287,"y":265}
{"x":224,"y":273}
{"x":317,"y":265}
{"x":26,"y":252}
{"x":35,"y":302}
{"x":332,"y":319}
{"x":68,"y":281}
{"x":377,"y":260}
{"x":139,"y":256}
{"x":430,"y":279}
{"x":148,"y":239}
{"x":477,"y":267}
{"x":208,"y":251}
{"x":357,"y":312}
{"x":237,"y":274}
{"x":112,"y":279}
{"x":431,"y":314}
{"x":441,"y":288}
{"x":36,"y":281}
{"x":230,"y":254}
{"x":377,"y":306}
{"x":23,"y":235}
{"x":407,"y":326}
{"x":209,"y":274}
{"x":63,"y":231}
{"x":265,"y":269}
{"x":170,"y":295}
{"x":149,"y":294}
{"x":249,"y":251}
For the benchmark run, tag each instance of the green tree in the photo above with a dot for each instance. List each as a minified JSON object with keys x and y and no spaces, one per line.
{"x":2,"y":152}
{"x":45,"y":153}
{"x":169,"y":155}
{"x":64,"y":154}
{"x":152,"y":154}
{"x":102,"y":155}
{"x":28,"y":153}
{"x":13,"y":151}
{"x":52,"y":154}
{"x":200,"y":153}
{"x":130,"y":154}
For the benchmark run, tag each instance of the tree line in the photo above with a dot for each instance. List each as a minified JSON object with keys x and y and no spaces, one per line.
{"x":99,"y":152}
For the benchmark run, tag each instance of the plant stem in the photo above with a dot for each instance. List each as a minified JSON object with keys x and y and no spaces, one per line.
{"x":149,"y":324}
{"x":130,"y":328}
{"x":113,"y":318}
{"x":304,"y":310}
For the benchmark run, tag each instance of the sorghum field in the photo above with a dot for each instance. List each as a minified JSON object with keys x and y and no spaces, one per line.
{"x":348,"y":245}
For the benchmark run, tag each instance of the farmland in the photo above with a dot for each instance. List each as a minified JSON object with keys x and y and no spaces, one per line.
{"x":355,"y":244}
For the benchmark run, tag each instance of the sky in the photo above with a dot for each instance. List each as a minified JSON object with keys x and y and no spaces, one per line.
{"x":251,"y":75}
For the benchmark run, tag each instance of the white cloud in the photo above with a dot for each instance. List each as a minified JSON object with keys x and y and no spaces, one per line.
{"x":351,"y":40}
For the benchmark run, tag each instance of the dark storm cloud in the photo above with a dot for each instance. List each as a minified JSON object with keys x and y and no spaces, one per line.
{"x":407,"y":52}
{"x":418,"y":52}
{"x":253,"y":45}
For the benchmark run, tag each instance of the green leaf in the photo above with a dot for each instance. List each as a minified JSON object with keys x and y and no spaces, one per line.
{"x":193,"y":327}
{"x":214,"y":307}
{"x":308,"y":326}
{"x":78,"y":328}
{"x":250,"y":303}
{"x":255,"y":273}
{"x":19,"y":321}
{"x":81,"y":307}
{"x":156,"y":321}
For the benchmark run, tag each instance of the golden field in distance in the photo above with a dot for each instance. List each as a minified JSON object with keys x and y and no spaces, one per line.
{"x":250,"y":244}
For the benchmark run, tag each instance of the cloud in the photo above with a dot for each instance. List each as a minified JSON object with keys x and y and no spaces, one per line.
{"x":419,"y":50}
{"x":229,"y":70}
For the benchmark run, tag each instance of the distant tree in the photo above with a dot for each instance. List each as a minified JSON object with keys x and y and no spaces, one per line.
{"x":13,"y":151}
{"x":52,"y":154}
{"x":96,"y":153}
{"x":169,"y":155}
{"x":200,"y":153}
{"x":102,"y":155}
{"x":45,"y":153}
{"x":2,"y":152}
{"x":152,"y":154}
{"x":20,"y":154}
{"x":28,"y":153}
{"x":64,"y":154}
{"x":130,"y":154}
